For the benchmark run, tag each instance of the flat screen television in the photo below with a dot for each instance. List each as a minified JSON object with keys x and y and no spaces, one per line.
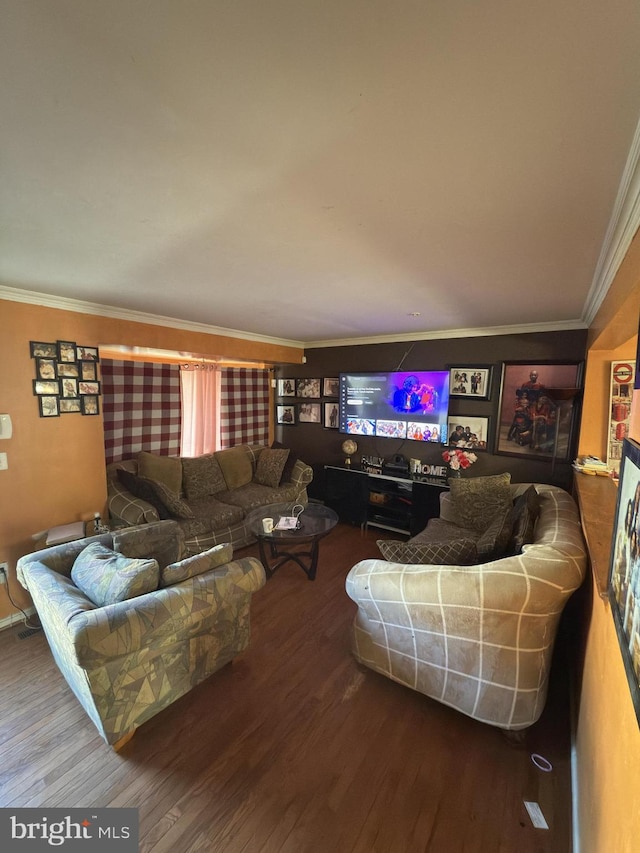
{"x":408,"y":405}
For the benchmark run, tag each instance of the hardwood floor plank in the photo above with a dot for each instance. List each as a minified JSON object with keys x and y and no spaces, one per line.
{"x":294,"y":748}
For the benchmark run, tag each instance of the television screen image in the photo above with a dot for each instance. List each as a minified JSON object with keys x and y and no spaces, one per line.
{"x":407,"y":404}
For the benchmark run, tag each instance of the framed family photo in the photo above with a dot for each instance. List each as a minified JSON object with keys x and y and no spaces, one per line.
{"x":331,"y":415}
{"x":286,"y":387}
{"x":539,"y":407}
{"x":330,"y":386}
{"x":286,"y":414}
{"x":309,"y":413}
{"x":470,"y":430}
{"x":307,"y":387}
{"x":470,"y":381}
{"x":624,"y":574}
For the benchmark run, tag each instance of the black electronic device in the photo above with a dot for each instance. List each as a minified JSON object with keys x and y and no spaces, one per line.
{"x":397,"y":466}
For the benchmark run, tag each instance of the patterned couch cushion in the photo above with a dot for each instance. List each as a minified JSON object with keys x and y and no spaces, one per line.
{"x":202,"y":476}
{"x":459,"y":552}
{"x":142,"y":488}
{"x":209,"y":514}
{"x":175,"y":506}
{"x":476,"y":501}
{"x":270,"y":467}
{"x":289,"y":464}
{"x":236,"y":464}
{"x":494,"y":541}
{"x":196,"y":565}
{"x":526,"y":510}
{"x":162,"y":469}
{"x":106,"y":577}
{"x":150,"y":541}
{"x":254,"y":495}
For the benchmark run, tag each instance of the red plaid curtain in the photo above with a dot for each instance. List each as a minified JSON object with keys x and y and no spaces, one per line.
{"x":244,"y":406}
{"x":142,"y":408}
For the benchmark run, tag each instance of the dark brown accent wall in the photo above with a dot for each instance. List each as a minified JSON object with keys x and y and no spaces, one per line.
{"x":320,"y":446}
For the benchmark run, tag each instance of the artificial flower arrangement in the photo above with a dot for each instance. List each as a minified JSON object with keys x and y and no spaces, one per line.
{"x":457,"y":459}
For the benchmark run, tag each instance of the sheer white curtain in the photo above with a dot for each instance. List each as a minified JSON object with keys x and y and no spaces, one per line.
{"x":200,"y":389}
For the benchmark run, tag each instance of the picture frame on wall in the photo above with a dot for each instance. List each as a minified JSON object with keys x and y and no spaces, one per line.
{"x":70,"y":405}
{"x":87,"y":353}
{"x":308,"y":388}
{"x":49,"y":405}
{"x":471,"y":381}
{"x":538,"y":410}
{"x":309,"y":413}
{"x":90,"y":404}
{"x":48,"y":387}
{"x":330,"y":386}
{"x":68,"y":387}
{"x":88,"y":371}
{"x":92,"y":388}
{"x":286,"y":414}
{"x":42,"y":349}
{"x":624,"y":571}
{"x":70,"y":369}
{"x":67,"y":351}
{"x":286,"y":387}
{"x":331,"y":415}
{"x":470,"y":431}
{"x":46,"y":368}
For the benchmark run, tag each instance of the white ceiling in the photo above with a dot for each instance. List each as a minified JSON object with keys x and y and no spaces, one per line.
{"x":317,"y":170}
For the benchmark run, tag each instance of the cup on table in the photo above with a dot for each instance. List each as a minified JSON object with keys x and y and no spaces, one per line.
{"x":267,"y":525}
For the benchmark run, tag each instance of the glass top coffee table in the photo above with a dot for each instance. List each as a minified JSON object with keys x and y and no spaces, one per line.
{"x":313,"y":523}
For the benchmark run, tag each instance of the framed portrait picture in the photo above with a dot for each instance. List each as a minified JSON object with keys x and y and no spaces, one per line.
{"x":87,"y":353}
{"x":286,"y":414}
{"x":331,"y":415}
{"x":309,"y":413}
{"x":330,"y":387}
{"x":70,"y":369}
{"x":286,"y":387}
{"x":89,"y":405}
{"x":46,"y":386}
{"x":470,"y":431}
{"x":49,"y":406}
{"x":46,"y":368}
{"x":470,"y":381}
{"x":307,"y":388}
{"x":87,"y":371}
{"x":624,"y":573}
{"x":68,"y":387}
{"x":88,"y":387}
{"x":69,"y":405}
{"x":40,"y":349}
{"x":538,"y":409}
{"x":66,"y":351}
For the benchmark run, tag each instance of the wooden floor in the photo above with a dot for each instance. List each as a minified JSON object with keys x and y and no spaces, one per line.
{"x":293,"y":748}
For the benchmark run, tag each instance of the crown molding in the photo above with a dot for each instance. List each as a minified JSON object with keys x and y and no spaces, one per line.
{"x":441,"y":334}
{"x":46,"y":300}
{"x":624,"y":222}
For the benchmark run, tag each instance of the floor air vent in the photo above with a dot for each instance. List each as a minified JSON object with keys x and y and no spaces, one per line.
{"x":28,"y":632}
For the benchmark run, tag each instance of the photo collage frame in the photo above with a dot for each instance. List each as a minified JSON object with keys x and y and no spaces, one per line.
{"x":66,"y":378}
{"x":315,"y":401}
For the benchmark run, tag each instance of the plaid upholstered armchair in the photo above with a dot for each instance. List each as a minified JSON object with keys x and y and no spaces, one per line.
{"x":133,"y":624}
{"x":478,"y":638}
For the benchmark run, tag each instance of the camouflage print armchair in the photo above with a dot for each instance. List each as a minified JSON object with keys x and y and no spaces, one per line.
{"x":127,"y":660}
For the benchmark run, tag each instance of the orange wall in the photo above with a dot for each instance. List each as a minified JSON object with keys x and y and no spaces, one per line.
{"x":607,"y":745}
{"x":56,"y":470}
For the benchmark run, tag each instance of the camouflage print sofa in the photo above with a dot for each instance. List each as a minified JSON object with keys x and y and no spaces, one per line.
{"x":477,"y":636}
{"x":128,"y":659}
{"x":210,"y":495}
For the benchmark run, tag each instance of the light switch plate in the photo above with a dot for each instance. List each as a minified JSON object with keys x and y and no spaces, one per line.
{"x":4,"y":462}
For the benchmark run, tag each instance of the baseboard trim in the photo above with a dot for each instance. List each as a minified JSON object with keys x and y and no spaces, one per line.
{"x":15,"y":618}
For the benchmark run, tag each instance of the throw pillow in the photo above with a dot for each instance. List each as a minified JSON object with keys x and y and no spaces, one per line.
{"x":493,"y":543}
{"x":526,"y":510}
{"x":219,"y":555}
{"x":175,"y":506}
{"x":270,"y":467}
{"x":289,"y":464}
{"x":476,"y":501}
{"x":237,"y":469}
{"x":141,"y":488}
{"x":462,"y":552}
{"x":202,"y":476}
{"x":106,"y":577}
{"x":162,"y":469}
